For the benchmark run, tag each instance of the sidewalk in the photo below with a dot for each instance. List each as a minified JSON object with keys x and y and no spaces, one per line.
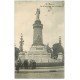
{"x":42,"y":70}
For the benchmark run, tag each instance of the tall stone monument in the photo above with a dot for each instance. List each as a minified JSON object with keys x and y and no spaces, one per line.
{"x":37,"y":34}
{"x":38,"y":50}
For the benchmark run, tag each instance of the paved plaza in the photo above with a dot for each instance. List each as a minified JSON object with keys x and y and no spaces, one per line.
{"x":41,"y":72}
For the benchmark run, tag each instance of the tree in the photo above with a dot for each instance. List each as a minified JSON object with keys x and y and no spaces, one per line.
{"x":56,"y":49}
{"x":16,"y":53}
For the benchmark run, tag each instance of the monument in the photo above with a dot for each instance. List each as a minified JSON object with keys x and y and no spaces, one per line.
{"x":22,"y":53}
{"x":37,"y":34}
{"x":38,"y":50}
{"x":21,"y":43}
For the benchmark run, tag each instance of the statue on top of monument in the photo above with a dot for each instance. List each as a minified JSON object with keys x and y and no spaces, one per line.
{"x":37,"y":14}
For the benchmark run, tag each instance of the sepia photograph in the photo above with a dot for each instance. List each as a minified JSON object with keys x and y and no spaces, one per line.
{"x":39,"y":39}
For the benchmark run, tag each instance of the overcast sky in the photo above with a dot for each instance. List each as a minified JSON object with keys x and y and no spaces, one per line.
{"x":51,"y":18}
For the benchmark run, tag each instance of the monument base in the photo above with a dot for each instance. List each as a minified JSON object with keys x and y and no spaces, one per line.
{"x":39,"y":54}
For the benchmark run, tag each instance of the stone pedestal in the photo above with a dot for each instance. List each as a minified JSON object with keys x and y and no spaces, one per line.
{"x":39,"y":54}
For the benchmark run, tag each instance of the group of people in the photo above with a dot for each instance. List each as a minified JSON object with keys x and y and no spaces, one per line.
{"x":25,"y":65}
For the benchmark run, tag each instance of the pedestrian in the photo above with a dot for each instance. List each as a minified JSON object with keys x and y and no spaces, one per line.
{"x":34,"y":65}
{"x":17,"y":66}
{"x":31,"y":64}
{"x":26,"y":64}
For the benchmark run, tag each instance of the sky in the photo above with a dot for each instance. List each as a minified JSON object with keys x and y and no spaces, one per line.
{"x":52,"y":19}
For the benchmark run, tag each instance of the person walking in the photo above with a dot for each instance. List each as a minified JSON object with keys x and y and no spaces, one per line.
{"x":17,"y":66}
{"x":26,"y":64}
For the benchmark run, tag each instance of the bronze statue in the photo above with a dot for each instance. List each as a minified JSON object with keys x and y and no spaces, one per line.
{"x":37,"y":14}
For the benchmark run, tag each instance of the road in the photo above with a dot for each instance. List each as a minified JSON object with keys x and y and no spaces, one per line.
{"x":41,"y":72}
